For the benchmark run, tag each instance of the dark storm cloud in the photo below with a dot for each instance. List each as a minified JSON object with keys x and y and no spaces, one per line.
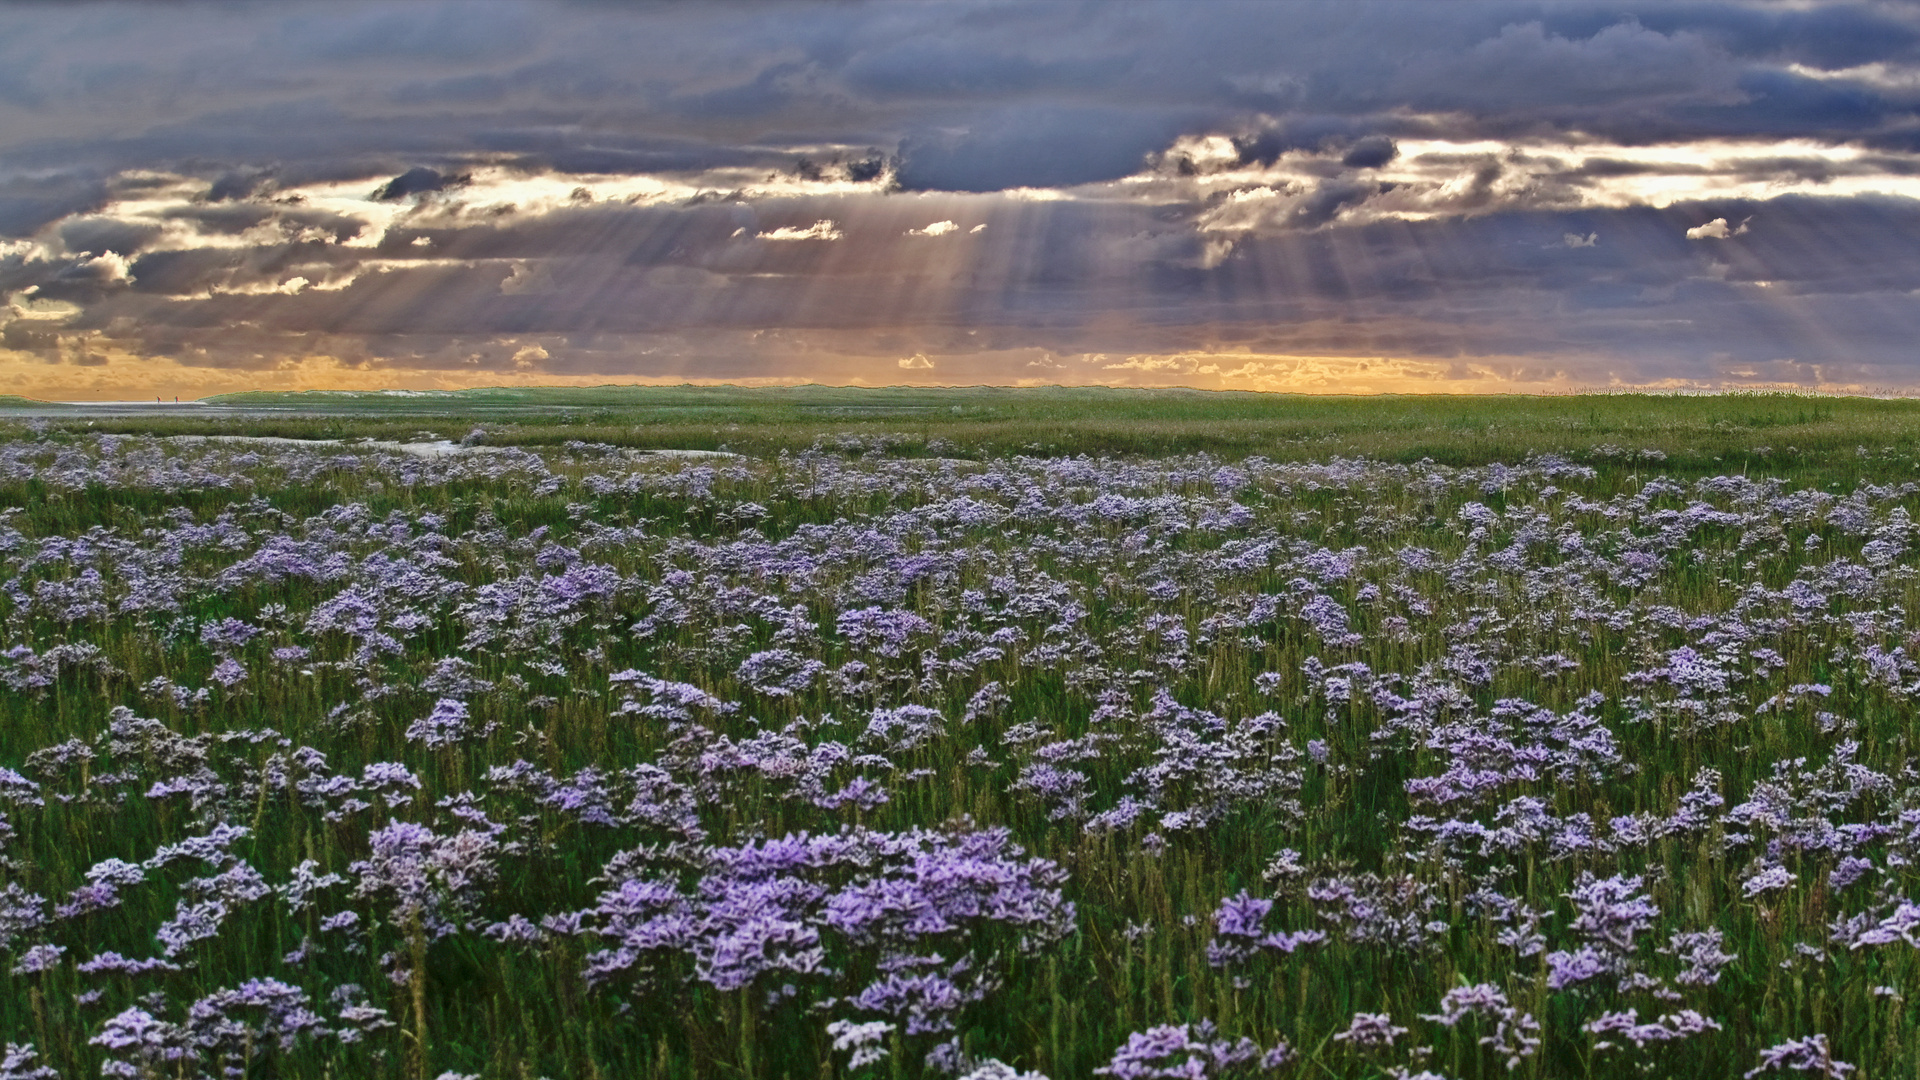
{"x":1370,"y":153}
{"x":96,"y":236}
{"x":418,"y":180}
{"x":1831,"y":36}
{"x":977,"y":97}
{"x":1036,"y":147}
{"x":1528,"y":71}
{"x":29,"y":202}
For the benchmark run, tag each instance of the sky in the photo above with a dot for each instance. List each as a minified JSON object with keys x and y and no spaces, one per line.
{"x":1342,"y":197}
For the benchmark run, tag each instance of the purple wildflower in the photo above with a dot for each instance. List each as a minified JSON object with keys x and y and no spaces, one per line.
{"x":1180,"y":1052}
{"x":446,"y":725}
{"x":1809,"y":1055}
{"x":1612,"y":911}
{"x":38,"y":959}
{"x":1370,"y":1031}
{"x":862,"y":1040}
{"x":1771,"y":879}
{"x":17,"y":1063}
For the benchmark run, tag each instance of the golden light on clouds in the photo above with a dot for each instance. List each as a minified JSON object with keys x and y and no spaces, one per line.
{"x":1277,"y":373}
{"x":112,"y":374}
{"x":1333,"y":374}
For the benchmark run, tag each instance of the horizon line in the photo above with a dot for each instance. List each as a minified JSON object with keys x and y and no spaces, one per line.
{"x":1646,"y":390}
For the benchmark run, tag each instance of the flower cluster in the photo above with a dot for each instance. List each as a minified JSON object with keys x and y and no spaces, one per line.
{"x":869,"y":747}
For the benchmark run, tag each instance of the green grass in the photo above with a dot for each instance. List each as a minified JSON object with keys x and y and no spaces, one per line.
{"x":1697,"y":432}
{"x":501,"y":1013}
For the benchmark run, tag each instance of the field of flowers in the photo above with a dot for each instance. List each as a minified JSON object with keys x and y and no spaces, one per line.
{"x":586,"y":762}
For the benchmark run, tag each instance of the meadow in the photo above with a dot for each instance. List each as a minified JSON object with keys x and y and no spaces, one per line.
{"x":975,"y":733}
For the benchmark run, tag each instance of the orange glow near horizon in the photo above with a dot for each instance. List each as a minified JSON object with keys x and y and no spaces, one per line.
{"x":118,"y":376}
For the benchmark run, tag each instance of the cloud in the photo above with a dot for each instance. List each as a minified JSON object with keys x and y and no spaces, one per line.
{"x":1370,"y":153}
{"x":1715,"y":230}
{"x":1036,"y":146}
{"x":23,"y":305}
{"x":657,"y":290}
{"x":969,"y":96}
{"x":432,"y":191}
{"x":1527,"y":68}
{"x":528,"y":277}
{"x":916,"y":362}
{"x":106,"y":268}
{"x":1180,"y":364}
{"x":819,"y":230}
{"x":415,"y":181}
